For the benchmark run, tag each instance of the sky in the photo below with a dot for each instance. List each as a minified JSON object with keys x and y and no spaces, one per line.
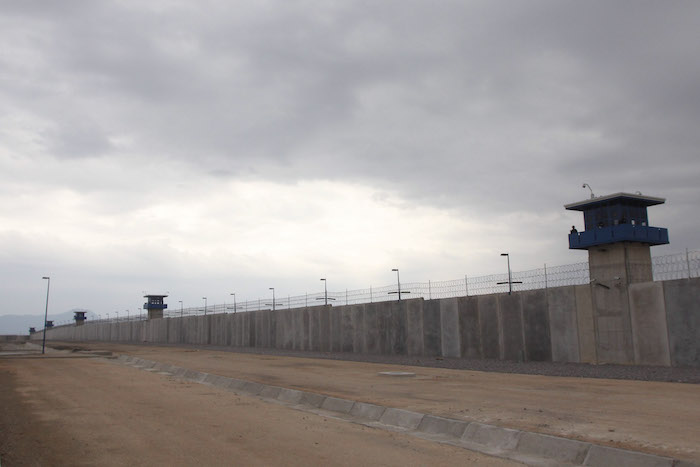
{"x":215,"y":147}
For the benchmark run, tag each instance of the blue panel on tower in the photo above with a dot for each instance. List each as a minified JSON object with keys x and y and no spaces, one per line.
{"x":618,"y":233}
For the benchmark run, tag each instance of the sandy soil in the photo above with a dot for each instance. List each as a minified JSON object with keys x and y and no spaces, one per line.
{"x":80,"y":411}
{"x":655,"y":417}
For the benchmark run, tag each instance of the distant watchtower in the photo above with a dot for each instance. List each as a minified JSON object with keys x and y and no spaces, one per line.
{"x":617,"y":236}
{"x":79,"y":317}
{"x":155,"y":306}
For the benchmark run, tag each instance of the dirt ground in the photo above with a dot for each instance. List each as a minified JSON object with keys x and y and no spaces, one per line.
{"x":659,"y":418}
{"x":80,"y":412}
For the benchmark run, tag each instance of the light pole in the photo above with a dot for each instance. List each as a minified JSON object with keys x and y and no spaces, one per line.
{"x":46,"y":313}
{"x":325,"y":292}
{"x":181,"y":310}
{"x":398,"y":281}
{"x":205,"y":305}
{"x":510,"y":278}
{"x":107,"y":316}
{"x":234,"y":301}
{"x":127,"y":315}
{"x":273,"y":298}
{"x":117,"y":315}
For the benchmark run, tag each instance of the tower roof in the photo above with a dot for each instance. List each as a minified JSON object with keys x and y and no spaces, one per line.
{"x":623,"y":198}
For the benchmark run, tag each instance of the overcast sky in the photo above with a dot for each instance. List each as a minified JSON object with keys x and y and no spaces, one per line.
{"x":203,"y":148}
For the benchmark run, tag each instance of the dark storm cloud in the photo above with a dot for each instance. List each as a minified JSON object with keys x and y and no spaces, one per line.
{"x":477,"y":104}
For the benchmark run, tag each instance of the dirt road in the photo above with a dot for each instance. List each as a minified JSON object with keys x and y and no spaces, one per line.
{"x":78,"y":411}
{"x":654,"y":417}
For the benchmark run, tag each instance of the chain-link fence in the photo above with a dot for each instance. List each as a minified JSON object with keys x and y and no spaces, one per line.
{"x":677,"y":266}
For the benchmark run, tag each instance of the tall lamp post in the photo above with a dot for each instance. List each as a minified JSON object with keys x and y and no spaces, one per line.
{"x":398,"y":282}
{"x":181,"y":310}
{"x":273,"y":298}
{"x":234,"y":301}
{"x":510,"y":278}
{"x":205,"y":305}
{"x":46,"y":313}
{"x":325,"y":293}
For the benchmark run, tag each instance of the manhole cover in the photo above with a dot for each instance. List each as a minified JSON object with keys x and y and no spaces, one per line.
{"x":396,"y":373}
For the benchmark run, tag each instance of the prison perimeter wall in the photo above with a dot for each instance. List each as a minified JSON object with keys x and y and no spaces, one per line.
{"x":650,"y":323}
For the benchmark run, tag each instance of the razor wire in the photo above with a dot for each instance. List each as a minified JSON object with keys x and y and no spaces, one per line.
{"x":668,"y":267}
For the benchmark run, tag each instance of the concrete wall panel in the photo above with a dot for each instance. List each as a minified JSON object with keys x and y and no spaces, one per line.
{"x":314,"y":328}
{"x":469,"y":331}
{"x":538,"y":346}
{"x":586,"y":324}
{"x":488,"y":322}
{"x":449,"y":326}
{"x":682,"y":299}
{"x":432,"y":329}
{"x":511,"y":323}
{"x":414,"y":327}
{"x":371,"y":329}
{"x":563,"y":324}
{"x":324,"y":320}
{"x":336,"y":329}
{"x":397,"y":327}
{"x":358,"y":324}
{"x":346,"y":328}
{"x":648,"y":317}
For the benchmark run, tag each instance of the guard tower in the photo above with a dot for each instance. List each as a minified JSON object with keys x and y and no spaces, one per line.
{"x":155,"y":306}
{"x":49,"y":324}
{"x":618,"y":236}
{"x":79,"y":317}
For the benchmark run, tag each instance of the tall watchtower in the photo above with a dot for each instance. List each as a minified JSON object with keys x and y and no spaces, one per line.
{"x":155,"y":305}
{"x":79,"y":317}
{"x":618,"y":236}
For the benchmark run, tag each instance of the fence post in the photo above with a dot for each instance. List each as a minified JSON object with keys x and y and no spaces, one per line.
{"x":545,"y":275}
{"x":466,"y":286}
{"x":430,"y":293}
{"x":687,"y":260}
{"x":370,"y":294}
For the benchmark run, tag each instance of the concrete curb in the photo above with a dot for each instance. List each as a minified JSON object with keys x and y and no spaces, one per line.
{"x":552,"y":447}
{"x":367,"y":411}
{"x":600,"y":456}
{"x":333,"y":404}
{"x":400,"y":418}
{"x":532,"y":448}
{"x":442,"y":426}
{"x":495,"y":437}
{"x":312,"y":400}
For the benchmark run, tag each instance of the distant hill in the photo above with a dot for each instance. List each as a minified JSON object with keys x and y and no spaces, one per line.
{"x":20,"y":324}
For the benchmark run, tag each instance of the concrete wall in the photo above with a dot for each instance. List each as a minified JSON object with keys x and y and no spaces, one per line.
{"x":651,"y":323}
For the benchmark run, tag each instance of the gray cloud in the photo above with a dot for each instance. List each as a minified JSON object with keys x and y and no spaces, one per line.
{"x":486,"y":108}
